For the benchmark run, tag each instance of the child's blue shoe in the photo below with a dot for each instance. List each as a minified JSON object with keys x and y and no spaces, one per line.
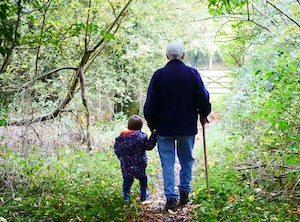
{"x":126,"y":197}
{"x":144,"y":194}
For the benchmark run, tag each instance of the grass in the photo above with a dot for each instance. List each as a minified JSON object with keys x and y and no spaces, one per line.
{"x":71,"y":185}
{"x":232,"y":197}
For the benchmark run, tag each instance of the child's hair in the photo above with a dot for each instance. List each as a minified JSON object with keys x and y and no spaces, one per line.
{"x":135,"y":123}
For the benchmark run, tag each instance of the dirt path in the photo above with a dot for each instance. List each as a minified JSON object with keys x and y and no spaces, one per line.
{"x":153,"y":209}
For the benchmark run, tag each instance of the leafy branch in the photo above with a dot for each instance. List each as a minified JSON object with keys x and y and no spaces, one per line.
{"x":80,"y":70}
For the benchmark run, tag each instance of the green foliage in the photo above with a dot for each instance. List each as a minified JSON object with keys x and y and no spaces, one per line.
{"x":217,"y":7}
{"x":52,"y":35}
{"x":232,"y":199}
{"x":3,"y":115}
{"x":232,"y":196}
{"x":263,"y":112}
{"x":8,"y":34}
{"x":68,"y":186}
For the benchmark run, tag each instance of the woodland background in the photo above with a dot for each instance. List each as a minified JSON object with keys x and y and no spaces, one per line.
{"x":71,"y":72}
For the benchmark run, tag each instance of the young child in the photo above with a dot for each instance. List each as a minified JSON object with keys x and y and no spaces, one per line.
{"x":130,"y":147}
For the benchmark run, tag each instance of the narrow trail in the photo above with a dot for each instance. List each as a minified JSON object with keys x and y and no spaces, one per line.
{"x":153,"y":210}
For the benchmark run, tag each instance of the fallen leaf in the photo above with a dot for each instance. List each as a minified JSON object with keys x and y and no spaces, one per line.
{"x":251,"y":198}
{"x":231,"y":199}
{"x":274,"y":219}
{"x":258,"y":208}
{"x":211,"y":163}
{"x":171,"y":211}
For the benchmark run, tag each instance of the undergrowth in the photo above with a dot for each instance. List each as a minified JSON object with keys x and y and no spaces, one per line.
{"x":232,"y":195}
{"x":72,"y":186}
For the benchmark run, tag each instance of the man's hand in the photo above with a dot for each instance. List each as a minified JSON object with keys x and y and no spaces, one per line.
{"x":203,"y":120}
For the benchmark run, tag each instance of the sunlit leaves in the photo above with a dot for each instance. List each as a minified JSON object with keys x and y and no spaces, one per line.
{"x":107,"y":35}
{"x":217,"y":7}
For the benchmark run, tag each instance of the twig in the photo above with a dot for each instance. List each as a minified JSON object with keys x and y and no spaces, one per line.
{"x":251,"y":167}
{"x":113,"y":24}
{"x":40,"y":40}
{"x":296,"y":184}
{"x":87,"y":108}
{"x":75,"y":79}
{"x":36,"y":133}
{"x":49,"y":74}
{"x":241,"y":164}
{"x":86,"y":39}
{"x":286,"y":173}
{"x":284,"y":13}
{"x":263,"y":14}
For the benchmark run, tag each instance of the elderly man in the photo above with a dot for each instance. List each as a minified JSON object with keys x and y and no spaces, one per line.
{"x":176,"y":95}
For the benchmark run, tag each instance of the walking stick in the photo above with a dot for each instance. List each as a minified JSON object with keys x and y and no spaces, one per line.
{"x":205,"y":155}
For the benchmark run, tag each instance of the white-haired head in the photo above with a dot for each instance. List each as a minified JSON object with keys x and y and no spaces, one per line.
{"x":175,"y":51}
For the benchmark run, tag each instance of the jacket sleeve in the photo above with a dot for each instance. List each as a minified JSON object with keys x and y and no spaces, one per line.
{"x":151,"y":106}
{"x":117,"y":147}
{"x":203,"y":105}
{"x":150,"y":143}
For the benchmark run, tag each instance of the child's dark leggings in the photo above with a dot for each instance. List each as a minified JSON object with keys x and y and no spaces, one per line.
{"x":128,"y":181}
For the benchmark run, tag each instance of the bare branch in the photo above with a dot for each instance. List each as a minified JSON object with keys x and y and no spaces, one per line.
{"x":296,"y":184}
{"x":48,"y":75}
{"x":43,"y":6}
{"x":279,"y":10}
{"x":114,"y":11}
{"x":248,"y":12}
{"x":260,"y":12}
{"x":84,"y":61}
{"x":55,"y":113}
{"x":39,"y":47}
{"x":86,"y":40}
{"x":87,"y":108}
{"x":113,"y":24}
{"x":37,"y":134}
{"x":252,"y":167}
{"x":9,"y":90}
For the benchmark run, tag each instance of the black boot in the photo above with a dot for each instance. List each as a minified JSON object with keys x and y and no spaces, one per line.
{"x":171,"y":204}
{"x":184,"y":198}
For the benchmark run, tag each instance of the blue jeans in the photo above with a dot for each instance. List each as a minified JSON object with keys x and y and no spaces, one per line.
{"x":128,"y":181}
{"x":167,"y":151}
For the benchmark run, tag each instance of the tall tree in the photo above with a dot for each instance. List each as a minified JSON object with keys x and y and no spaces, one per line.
{"x":50,"y":34}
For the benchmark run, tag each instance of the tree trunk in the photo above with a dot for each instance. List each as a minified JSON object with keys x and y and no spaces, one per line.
{"x":87,"y":109}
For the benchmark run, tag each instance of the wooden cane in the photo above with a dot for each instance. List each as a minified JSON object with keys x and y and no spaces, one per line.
{"x":205,"y":158}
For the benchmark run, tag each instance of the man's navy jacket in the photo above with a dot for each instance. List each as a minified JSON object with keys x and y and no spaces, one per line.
{"x":176,"y":96}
